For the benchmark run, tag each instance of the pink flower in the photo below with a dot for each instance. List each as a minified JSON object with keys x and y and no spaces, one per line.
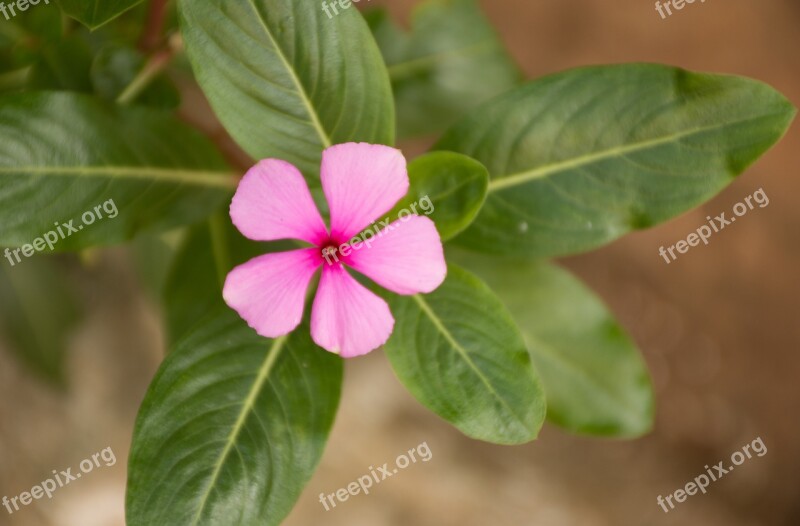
{"x":361,"y":182}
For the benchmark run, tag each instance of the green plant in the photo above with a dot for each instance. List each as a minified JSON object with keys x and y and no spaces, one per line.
{"x":234,"y":424}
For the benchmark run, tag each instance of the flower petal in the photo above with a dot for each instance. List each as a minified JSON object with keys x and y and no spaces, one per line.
{"x":361,"y":182}
{"x":406,"y":257}
{"x":346,"y":318}
{"x":273,"y":202}
{"x":269,"y":291}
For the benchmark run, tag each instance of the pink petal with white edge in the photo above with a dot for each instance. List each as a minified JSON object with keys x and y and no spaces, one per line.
{"x":361,"y":182}
{"x":347,"y":319}
{"x":269,"y":291}
{"x":406,"y":257}
{"x":273,"y":202}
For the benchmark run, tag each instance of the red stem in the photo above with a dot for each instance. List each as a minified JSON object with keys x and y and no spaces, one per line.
{"x":151,"y":35}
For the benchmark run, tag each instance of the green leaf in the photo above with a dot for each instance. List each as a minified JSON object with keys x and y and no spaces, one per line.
{"x":452,"y":61}
{"x":95,"y":13}
{"x":232,"y":427}
{"x":287,"y":81}
{"x":62,"y":155}
{"x":594,"y":378}
{"x":580,"y":158}
{"x":459,"y":353}
{"x":38,"y":311}
{"x":448,"y":187}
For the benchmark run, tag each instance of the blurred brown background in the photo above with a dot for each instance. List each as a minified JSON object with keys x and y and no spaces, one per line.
{"x":718,"y":329}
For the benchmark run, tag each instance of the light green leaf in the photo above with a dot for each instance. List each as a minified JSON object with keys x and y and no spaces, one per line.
{"x":232,"y":427}
{"x":460,"y":354}
{"x":95,"y":13}
{"x":452,"y":61}
{"x":63,"y":155}
{"x":447,"y":187}
{"x":594,"y":378}
{"x":286,"y":80}
{"x":580,"y":158}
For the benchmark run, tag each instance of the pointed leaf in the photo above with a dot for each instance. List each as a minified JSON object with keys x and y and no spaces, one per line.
{"x":285,"y":79}
{"x":64,"y":155}
{"x":594,"y":378}
{"x":460,"y":354}
{"x":232,"y":427}
{"x":580,"y":158}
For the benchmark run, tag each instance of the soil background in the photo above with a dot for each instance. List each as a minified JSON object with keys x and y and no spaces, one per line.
{"x":718,"y":329}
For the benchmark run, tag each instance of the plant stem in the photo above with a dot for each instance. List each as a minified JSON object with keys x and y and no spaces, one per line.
{"x":154,"y":65}
{"x":154,"y":26}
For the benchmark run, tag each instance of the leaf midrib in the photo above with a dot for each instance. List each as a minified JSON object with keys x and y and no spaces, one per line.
{"x":312,"y":112}
{"x":437,"y":322}
{"x":539,"y":172}
{"x":247,"y":407}
{"x":192,"y":177}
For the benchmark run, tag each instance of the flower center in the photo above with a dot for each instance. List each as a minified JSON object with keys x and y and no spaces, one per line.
{"x":330,"y":253}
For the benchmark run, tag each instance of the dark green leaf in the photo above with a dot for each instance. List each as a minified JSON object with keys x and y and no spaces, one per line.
{"x":594,"y":378}
{"x":452,"y":61}
{"x":448,"y":187}
{"x":459,"y":353}
{"x":286,"y":80}
{"x":194,"y":284}
{"x":581,"y":158}
{"x":232,"y":427}
{"x":63,"y":154}
{"x":64,"y":65}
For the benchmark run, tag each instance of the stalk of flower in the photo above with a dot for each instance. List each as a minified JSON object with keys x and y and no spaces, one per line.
{"x":361,"y":182}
